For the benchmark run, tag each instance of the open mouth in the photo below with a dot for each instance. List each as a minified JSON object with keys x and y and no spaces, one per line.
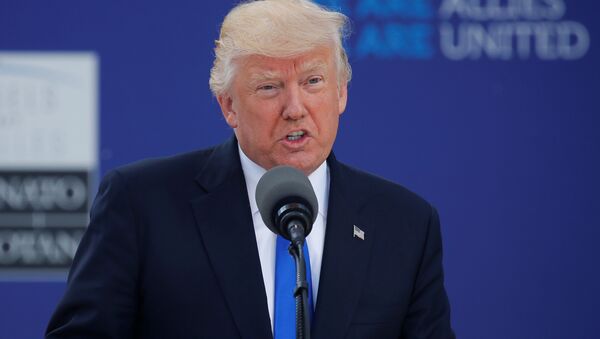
{"x":297,"y":135}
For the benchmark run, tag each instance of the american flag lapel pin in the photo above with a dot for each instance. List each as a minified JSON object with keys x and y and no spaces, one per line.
{"x":358,"y":233}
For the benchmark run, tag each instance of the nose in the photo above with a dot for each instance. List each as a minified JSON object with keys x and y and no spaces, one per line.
{"x":294,"y":106}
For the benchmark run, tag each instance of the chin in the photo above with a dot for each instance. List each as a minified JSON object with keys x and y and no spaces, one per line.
{"x":305,"y":165}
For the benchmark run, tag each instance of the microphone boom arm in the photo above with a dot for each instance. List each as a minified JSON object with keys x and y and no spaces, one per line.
{"x":301,"y":290}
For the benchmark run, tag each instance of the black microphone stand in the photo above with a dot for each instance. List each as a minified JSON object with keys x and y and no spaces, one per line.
{"x":301,"y":290}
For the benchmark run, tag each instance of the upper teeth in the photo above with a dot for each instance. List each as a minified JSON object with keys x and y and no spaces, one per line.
{"x":295,"y":135}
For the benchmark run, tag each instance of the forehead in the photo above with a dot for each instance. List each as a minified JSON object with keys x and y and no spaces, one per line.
{"x":258,"y":65}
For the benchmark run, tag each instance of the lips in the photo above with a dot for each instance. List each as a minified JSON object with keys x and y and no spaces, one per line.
{"x":296,"y":139}
{"x":296,"y":135}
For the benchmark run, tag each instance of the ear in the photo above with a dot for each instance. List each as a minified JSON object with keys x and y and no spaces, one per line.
{"x":226,"y":103}
{"x":342,"y":97}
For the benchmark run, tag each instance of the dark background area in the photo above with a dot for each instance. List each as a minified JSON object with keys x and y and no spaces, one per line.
{"x":508,"y":151}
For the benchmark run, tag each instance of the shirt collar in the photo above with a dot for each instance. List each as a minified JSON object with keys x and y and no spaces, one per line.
{"x":319,"y":179}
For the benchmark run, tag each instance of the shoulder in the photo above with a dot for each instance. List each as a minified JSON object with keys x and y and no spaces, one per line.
{"x":368,"y":189}
{"x":160,"y":173}
{"x":163,"y":165}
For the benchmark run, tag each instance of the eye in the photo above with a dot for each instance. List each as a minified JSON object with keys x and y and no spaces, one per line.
{"x":314,"y":80}
{"x":267,"y":87}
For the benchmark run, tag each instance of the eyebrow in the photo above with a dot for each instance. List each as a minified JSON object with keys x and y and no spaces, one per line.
{"x":264,"y":75}
{"x":308,"y":66}
{"x":313,"y":65}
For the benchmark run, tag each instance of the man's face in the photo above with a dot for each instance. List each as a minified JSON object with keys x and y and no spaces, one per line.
{"x":286,"y":111}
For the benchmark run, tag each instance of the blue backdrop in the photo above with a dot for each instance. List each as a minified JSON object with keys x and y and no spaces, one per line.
{"x":489,"y":109}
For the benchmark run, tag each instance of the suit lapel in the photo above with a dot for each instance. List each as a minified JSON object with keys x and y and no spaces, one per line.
{"x":225,"y":223}
{"x":345,"y":258}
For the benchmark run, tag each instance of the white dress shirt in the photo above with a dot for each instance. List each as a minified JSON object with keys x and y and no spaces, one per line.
{"x":266,"y":240}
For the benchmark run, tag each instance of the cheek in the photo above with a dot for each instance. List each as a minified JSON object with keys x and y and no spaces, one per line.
{"x":327,"y":112}
{"x":259,"y":125}
{"x":268,"y":113}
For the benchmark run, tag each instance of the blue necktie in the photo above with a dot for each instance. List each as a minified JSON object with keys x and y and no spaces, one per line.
{"x":285,"y":283}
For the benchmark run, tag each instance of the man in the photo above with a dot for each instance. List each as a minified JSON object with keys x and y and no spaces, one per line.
{"x":176,"y":247}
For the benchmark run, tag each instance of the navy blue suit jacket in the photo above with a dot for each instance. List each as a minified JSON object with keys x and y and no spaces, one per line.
{"x":170,"y":252}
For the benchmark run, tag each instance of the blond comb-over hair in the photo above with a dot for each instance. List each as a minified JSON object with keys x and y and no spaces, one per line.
{"x":280,"y":29}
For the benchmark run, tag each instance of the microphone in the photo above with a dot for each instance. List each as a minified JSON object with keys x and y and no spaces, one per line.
{"x":287,"y":203}
{"x":288,"y":206}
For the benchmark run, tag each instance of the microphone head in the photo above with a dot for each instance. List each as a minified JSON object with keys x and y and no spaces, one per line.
{"x":280,"y":186}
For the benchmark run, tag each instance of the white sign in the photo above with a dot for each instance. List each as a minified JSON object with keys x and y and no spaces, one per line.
{"x":48,"y":158}
{"x":48,"y":110}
